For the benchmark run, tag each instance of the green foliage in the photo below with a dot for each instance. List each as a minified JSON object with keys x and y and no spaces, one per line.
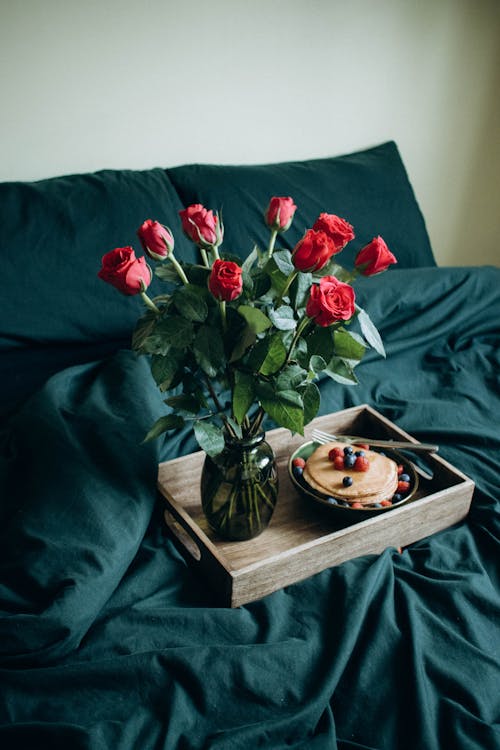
{"x":256,"y":353}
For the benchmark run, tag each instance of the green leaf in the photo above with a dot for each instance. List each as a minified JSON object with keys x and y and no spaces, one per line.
{"x":172,"y":331}
{"x":283,"y":318}
{"x":167,"y":369}
{"x":255,"y":318}
{"x":163,"y":424}
{"x":320,"y":341}
{"x":348,"y":345}
{"x":250,"y":260}
{"x":283,"y":260}
{"x":210,"y":437}
{"x":341,"y":371}
{"x":312,"y":399}
{"x":332,"y":268}
{"x":286,"y":409}
{"x":275,"y":356}
{"x":191,"y":303}
{"x":317,"y":363}
{"x":243,"y":394}
{"x":291,"y":377}
{"x":184,"y":402}
{"x":261,"y":282}
{"x":300,"y":289}
{"x":370,"y":332}
{"x":167,"y":272}
{"x":143,"y":329}
{"x":209,"y":351}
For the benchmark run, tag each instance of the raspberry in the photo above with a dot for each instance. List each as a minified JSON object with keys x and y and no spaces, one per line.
{"x":401,"y":468}
{"x":357,"y":506}
{"x":299,"y":462}
{"x":403,"y":486}
{"x":385,"y":503}
{"x":338,"y":462}
{"x":361,"y":464}
{"x":335,"y":452}
{"x":363,"y":446}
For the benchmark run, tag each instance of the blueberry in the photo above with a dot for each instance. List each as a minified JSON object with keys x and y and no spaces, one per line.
{"x":404,"y":478}
{"x":347,"y":481}
{"x":298,"y":471}
{"x":360,"y":453}
{"x":331,"y":500}
{"x":349,"y":460}
{"x":397,"y":498}
{"x":344,"y":503}
{"x":377,"y":505}
{"x":348,"y":449}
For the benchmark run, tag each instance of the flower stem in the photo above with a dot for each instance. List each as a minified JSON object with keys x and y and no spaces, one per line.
{"x":149,"y":303}
{"x":272,"y":240}
{"x":179,"y":269}
{"x":223,"y":314}
{"x":204,"y":257}
{"x":298,"y":333}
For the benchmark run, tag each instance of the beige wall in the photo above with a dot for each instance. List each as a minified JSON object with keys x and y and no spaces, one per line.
{"x":88,"y":84}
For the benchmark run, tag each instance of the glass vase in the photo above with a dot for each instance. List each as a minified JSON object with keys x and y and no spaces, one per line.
{"x":239,"y":488}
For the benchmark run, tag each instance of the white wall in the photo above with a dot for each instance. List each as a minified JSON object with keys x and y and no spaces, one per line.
{"x":88,"y":84}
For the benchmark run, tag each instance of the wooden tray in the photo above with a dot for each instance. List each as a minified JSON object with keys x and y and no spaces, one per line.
{"x":301,"y":540}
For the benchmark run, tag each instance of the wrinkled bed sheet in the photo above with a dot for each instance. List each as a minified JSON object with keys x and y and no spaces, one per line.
{"x":110,"y":641}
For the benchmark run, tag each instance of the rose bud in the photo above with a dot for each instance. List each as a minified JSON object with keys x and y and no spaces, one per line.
{"x":201,"y":226}
{"x":339,"y":230}
{"x":329,"y":301}
{"x":156,"y":240}
{"x":374,"y":258}
{"x":313,"y":251}
{"x":225,"y":281}
{"x":128,"y":274}
{"x":280,"y":213}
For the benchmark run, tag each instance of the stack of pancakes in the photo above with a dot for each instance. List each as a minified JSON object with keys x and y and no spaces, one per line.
{"x":369,"y":487}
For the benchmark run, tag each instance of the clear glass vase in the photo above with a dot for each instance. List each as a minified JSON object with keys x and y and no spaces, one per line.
{"x":239,"y":488}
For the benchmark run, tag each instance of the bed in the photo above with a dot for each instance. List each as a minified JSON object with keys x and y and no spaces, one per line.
{"x":109,"y":639}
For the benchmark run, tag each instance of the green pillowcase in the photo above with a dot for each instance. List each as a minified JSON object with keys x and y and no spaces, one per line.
{"x":53,"y":234}
{"x":370,"y":189}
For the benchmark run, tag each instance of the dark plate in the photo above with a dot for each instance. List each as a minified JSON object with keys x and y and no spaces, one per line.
{"x":345,"y":511}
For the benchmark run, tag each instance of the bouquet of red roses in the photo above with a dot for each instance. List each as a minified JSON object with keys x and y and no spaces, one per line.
{"x":234,"y":341}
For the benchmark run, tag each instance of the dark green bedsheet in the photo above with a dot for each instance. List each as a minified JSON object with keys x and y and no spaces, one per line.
{"x":109,"y":641}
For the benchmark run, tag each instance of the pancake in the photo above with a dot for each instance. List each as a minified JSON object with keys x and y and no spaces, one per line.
{"x":369,"y":487}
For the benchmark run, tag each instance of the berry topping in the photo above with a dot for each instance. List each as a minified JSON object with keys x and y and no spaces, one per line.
{"x":299,"y":462}
{"x":385,"y":503}
{"x":401,"y":468}
{"x":404,"y":478}
{"x":335,"y":452}
{"x":338,"y":462}
{"x":359,"y":453}
{"x":349,"y":460}
{"x":397,"y":497}
{"x":298,"y":471}
{"x":348,"y":449}
{"x":332,"y":501}
{"x":357,"y":506}
{"x":361,"y":463}
{"x":403,"y":486}
{"x":347,"y":481}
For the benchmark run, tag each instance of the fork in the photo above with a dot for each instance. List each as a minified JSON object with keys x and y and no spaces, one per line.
{"x":319,"y":436}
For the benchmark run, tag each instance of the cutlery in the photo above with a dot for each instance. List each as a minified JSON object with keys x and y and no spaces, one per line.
{"x":319,"y":436}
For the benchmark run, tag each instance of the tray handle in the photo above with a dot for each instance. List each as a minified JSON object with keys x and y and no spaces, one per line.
{"x":182,"y":535}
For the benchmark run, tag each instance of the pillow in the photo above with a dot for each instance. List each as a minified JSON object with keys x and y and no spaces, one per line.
{"x":53,"y":234}
{"x":370,"y":189}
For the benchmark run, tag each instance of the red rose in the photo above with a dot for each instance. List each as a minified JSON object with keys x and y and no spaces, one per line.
{"x":313,"y":251}
{"x":374,"y":258}
{"x":225,"y":280}
{"x":120,"y":267}
{"x":200,"y":225}
{"x":280,"y":213}
{"x":330,"y":300}
{"x":339,"y":230}
{"x":156,"y":240}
